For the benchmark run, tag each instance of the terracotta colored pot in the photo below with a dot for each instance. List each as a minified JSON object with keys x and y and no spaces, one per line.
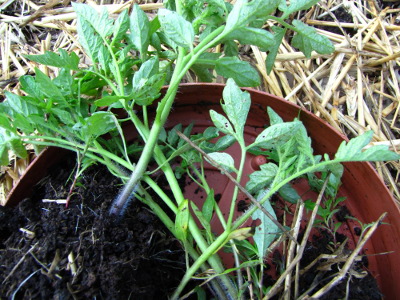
{"x":367,"y":196}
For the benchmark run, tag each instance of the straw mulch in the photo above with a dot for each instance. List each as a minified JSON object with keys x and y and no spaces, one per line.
{"x":355,"y":89}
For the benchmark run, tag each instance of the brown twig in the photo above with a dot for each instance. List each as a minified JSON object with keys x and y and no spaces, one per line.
{"x":345,"y":269}
{"x":275,"y":288}
{"x":19,"y":263}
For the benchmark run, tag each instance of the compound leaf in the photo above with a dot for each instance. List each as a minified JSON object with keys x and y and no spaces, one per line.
{"x":263,"y":178}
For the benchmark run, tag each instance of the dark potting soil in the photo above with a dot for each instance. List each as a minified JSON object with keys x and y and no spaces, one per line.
{"x":131,"y":258}
{"x":135,"y":258}
{"x":321,"y":262}
{"x":360,"y":285}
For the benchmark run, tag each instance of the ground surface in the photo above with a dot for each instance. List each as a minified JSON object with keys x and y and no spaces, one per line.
{"x":131,"y":257}
{"x":354,"y":89}
{"x":134,"y":258}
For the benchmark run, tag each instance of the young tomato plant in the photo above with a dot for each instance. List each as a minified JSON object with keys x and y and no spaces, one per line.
{"x":132,"y":57}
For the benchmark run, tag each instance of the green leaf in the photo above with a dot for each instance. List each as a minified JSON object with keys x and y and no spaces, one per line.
{"x":147,"y":69}
{"x":6,"y":123}
{"x":288,"y":193}
{"x":228,"y":67}
{"x":147,"y":93}
{"x":303,"y":147}
{"x":231,"y":48}
{"x":173,"y":137}
{"x":65,"y":83}
{"x":294,"y":6}
{"x":276,"y":135}
{"x":166,"y":40}
{"x":4,"y":161}
{"x":274,"y":118}
{"x":101,"y":23}
{"x":147,"y":83}
{"x":222,"y":143}
{"x":64,"y":116}
{"x":16,"y":145}
{"x":182,"y":221}
{"x":208,"y":59}
{"x":23,"y":123}
{"x":203,"y":73}
{"x":266,"y":232}
{"x":105,"y":60}
{"x":244,"y":12}
{"x":63,"y":60}
{"x":17,"y":105}
{"x":29,"y":85}
{"x":108,"y":100}
{"x":224,"y":160}
{"x":186,"y":132}
{"x":99,"y":123}
{"x":140,"y":29}
{"x":253,"y":36}
{"x":176,"y":28}
{"x":221,"y":123}
{"x":210,"y":133}
{"x":49,"y":88}
{"x":236,"y":106}
{"x":352,"y":151}
{"x":204,"y":222}
{"x":263,"y":178}
{"x":121,"y":26}
{"x":208,"y":206}
{"x":89,"y":39}
{"x":307,"y":39}
{"x":279,"y":33}
{"x":154,"y":25}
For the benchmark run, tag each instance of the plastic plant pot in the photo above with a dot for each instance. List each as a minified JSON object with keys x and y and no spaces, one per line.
{"x":366,"y":194}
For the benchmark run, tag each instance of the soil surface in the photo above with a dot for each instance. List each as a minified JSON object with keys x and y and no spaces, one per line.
{"x":323,"y":257}
{"x":131,"y":258}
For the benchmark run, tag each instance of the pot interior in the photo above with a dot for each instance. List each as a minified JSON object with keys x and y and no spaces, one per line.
{"x":367,"y":196}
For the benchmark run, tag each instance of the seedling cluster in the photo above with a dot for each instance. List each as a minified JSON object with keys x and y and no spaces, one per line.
{"x":132,"y":58}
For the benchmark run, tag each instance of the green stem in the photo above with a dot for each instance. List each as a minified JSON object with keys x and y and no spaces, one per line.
{"x":109,"y":82}
{"x":239,"y":222}
{"x":56,"y":142}
{"x":282,"y":22}
{"x":115,"y":62}
{"x":223,"y":238}
{"x":214,"y":247}
{"x":171,"y":226}
{"x":207,"y":189}
{"x":163,"y":110}
{"x":145,"y":116}
{"x":156,"y":188}
{"x":238,"y":178}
